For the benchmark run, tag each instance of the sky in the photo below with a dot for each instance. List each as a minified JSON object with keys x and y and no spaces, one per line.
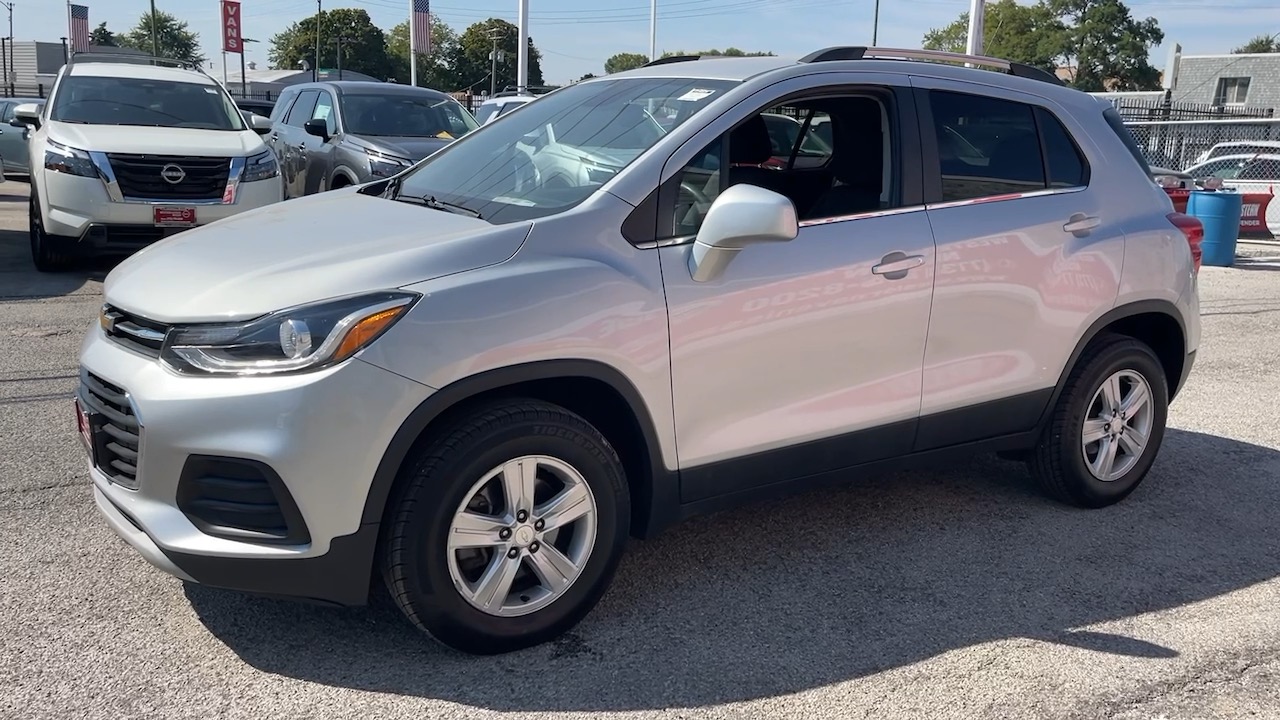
{"x":575,"y":36}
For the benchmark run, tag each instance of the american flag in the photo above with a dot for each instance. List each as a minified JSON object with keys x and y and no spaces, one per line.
{"x":422,"y":26}
{"x":79,"y":28}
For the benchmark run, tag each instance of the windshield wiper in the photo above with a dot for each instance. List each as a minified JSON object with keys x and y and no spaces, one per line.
{"x":431,"y":202}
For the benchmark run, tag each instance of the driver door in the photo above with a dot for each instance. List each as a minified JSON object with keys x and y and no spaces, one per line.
{"x":801,"y":357}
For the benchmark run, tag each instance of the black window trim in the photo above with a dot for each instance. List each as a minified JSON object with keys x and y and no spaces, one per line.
{"x":932,"y":160}
{"x":288,"y":116}
{"x":642,"y":227}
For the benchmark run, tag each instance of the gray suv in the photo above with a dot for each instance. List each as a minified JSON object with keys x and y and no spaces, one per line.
{"x":478,"y":385}
{"x":330,"y":135}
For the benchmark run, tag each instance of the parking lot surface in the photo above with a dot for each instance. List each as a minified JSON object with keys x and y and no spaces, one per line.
{"x":956,"y":594}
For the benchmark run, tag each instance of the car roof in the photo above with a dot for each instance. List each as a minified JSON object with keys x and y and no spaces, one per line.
{"x":138,"y":71}
{"x":366,"y":87}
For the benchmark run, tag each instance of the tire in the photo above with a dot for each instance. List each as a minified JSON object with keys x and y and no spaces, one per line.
{"x":427,"y":578}
{"x":50,"y":254}
{"x":1061,"y":461}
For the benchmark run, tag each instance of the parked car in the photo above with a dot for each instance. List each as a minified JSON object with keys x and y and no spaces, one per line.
{"x":329,"y":135}
{"x":255,"y":106}
{"x":477,"y":383}
{"x":125,"y":153}
{"x":501,"y":104}
{"x":1240,"y":147}
{"x":13,"y":135}
{"x":1251,"y":166}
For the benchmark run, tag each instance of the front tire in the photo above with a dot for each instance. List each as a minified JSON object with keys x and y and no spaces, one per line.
{"x":1107,"y":427}
{"x":49,"y":254}
{"x":507,"y":528}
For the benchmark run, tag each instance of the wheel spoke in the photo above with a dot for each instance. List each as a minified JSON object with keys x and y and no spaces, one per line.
{"x":1111,"y":393}
{"x":572,"y":503}
{"x":553,"y":568}
{"x":1094,"y":430}
{"x":472,"y":530}
{"x":518,"y":485}
{"x":494,"y":586}
{"x":1137,"y":399}
{"x":1134,"y":442}
{"x":1103,"y":464}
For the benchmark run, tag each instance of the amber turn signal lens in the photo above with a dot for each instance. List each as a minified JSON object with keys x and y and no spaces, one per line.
{"x":363,"y":332}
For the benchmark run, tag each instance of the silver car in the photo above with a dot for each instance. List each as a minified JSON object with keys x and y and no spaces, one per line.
{"x":329,"y":135}
{"x":13,"y":135}
{"x":478,"y":386}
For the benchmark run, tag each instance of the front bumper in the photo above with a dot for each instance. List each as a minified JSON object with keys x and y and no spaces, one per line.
{"x":320,"y":436}
{"x":74,"y":206}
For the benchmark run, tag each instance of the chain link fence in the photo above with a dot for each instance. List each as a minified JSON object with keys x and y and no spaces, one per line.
{"x":1222,"y":147}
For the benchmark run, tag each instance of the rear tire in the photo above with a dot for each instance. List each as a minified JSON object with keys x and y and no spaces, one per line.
{"x":50,"y":254}
{"x":521,"y":493}
{"x":1107,"y":427}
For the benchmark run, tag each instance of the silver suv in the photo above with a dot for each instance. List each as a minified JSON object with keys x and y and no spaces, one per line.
{"x":478,"y":385}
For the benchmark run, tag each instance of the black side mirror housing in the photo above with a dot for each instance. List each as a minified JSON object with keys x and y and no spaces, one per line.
{"x":317,"y":127}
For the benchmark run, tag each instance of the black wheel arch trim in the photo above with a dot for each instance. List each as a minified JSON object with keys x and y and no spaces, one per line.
{"x":1120,"y":312}
{"x":658,"y":506}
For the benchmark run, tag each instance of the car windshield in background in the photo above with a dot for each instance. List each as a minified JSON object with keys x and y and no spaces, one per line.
{"x":554,"y":153}
{"x":404,"y":115}
{"x":94,"y":100}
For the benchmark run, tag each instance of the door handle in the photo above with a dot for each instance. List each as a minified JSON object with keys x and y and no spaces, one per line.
{"x":896,"y":265}
{"x":1081,"y":223}
{"x":302,"y":146}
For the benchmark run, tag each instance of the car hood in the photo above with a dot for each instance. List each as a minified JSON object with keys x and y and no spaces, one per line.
{"x":142,"y":140}
{"x":300,"y":251}
{"x":411,"y":148}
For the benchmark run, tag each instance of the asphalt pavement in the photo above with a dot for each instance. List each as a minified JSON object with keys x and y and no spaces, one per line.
{"x":958,"y":594}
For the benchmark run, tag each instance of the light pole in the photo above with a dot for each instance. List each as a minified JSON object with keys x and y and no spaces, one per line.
{"x":8,"y":51}
{"x":494,"y":33}
{"x":875,"y":25}
{"x":977,"y":11}
{"x":653,"y":30}
{"x":244,"y":83}
{"x":315,"y":69}
{"x":155,"y":42}
{"x":522,"y":48}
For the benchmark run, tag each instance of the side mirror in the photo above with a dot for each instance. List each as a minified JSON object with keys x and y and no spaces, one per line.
{"x":262,"y":125}
{"x":15,"y":122}
{"x":317,"y":127}
{"x":743,"y":215}
{"x":27,"y":114}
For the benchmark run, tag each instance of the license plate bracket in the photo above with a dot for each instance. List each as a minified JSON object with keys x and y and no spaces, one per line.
{"x":86,"y":424}
{"x":173,"y":216}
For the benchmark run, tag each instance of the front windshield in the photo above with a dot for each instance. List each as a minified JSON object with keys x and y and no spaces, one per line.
{"x":405,"y":115}
{"x":555,"y":152}
{"x":96,"y":100}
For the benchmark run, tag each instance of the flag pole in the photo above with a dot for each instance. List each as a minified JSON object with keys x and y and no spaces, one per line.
{"x":413,"y":45}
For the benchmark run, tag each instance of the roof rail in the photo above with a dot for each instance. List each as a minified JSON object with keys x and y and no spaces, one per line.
{"x":854,"y":52}
{"x":131,"y":59}
{"x":671,"y":59}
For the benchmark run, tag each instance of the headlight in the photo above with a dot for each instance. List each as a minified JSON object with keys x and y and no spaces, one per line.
{"x":260,"y":167}
{"x":299,"y":339}
{"x":72,"y":161}
{"x":386,"y":165}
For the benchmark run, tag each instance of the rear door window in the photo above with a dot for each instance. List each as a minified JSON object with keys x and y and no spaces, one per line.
{"x":302,"y":109}
{"x":986,"y":146}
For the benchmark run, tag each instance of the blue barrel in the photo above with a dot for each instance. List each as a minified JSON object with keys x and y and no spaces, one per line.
{"x":1219,"y":212}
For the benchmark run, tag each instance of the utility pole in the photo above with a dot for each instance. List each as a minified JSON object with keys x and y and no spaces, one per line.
{"x":522,"y":49}
{"x":977,"y":11}
{"x":8,"y":51}
{"x":494,"y":34}
{"x":875,"y":25}
{"x":244,"y":82}
{"x":653,"y":30}
{"x":155,"y":42}
{"x":315,"y":68}
{"x":339,"y":38}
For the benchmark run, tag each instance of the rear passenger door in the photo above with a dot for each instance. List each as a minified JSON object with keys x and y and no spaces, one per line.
{"x":317,"y":161}
{"x":1027,"y":256}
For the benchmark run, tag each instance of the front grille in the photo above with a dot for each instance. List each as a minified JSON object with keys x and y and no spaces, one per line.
{"x":134,"y":332}
{"x":116,"y":433}
{"x":239,"y":499}
{"x":153,"y":176}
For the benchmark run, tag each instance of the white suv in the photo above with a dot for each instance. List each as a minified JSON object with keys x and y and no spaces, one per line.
{"x":125,"y":154}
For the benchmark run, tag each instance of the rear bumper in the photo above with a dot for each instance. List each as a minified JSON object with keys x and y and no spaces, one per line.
{"x":339,"y":577}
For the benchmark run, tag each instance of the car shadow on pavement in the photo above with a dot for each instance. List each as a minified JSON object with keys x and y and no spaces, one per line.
{"x":20,"y":280}
{"x":825,"y":587}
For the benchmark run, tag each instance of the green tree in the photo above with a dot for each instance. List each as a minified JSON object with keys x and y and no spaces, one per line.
{"x":364,"y":45}
{"x":588,"y":76}
{"x":102,"y":37}
{"x":727,"y":52}
{"x":434,"y":70}
{"x":471,"y":59}
{"x":1259,"y":44}
{"x":1028,"y":34}
{"x":1107,"y":46}
{"x":624,"y":61}
{"x":173,"y":39}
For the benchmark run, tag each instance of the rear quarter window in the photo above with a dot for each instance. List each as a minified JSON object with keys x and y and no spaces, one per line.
{"x":1116,"y":123}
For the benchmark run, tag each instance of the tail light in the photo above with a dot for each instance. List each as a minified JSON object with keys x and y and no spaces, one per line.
{"x":1193,"y":229}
